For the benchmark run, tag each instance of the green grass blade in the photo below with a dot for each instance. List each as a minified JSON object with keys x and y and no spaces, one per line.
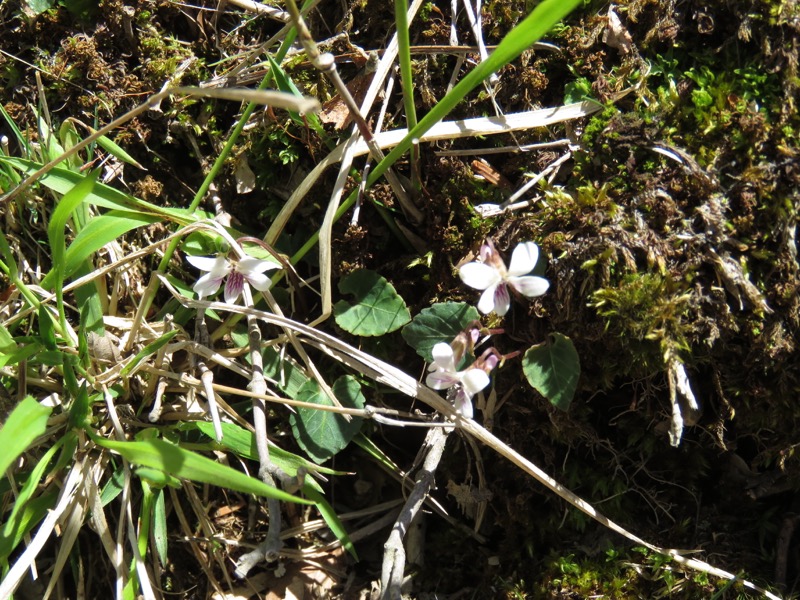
{"x":285,"y":84}
{"x":24,"y":517}
{"x":182,"y":463}
{"x":9,"y":263}
{"x":25,"y":520}
{"x":243,"y":443}
{"x":97,"y":233}
{"x":160,"y":531}
{"x":61,"y":181}
{"x":21,"y":139}
{"x":56,"y":234}
{"x":331,"y":519}
{"x":115,"y":150}
{"x":25,"y":423}
{"x":151,"y":348}
{"x":525,"y":34}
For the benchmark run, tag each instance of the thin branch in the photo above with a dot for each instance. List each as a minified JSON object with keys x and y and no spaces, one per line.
{"x":394,"y":554}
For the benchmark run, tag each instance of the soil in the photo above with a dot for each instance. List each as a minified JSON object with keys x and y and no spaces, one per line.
{"x":670,"y":234}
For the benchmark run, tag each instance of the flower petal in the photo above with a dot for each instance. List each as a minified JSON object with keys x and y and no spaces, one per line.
{"x":249,"y":265}
{"x":234,"y":285}
{"x":441,"y":380}
{"x":502,"y":300}
{"x":463,"y":404}
{"x":478,"y":275}
{"x":258,"y":280}
{"x":217,"y":265}
{"x":443,"y":357}
{"x":474,"y":380}
{"x":486,"y":303}
{"x":207,"y":285}
{"x":523,"y":259}
{"x":530,"y":286}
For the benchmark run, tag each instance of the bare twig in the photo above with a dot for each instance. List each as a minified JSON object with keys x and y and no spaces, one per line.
{"x":269,"y":549}
{"x":394,"y":555}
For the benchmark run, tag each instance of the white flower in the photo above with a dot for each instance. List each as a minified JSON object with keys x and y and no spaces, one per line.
{"x":444,"y":375}
{"x":492,"y":276}
{"x":235,"y":273}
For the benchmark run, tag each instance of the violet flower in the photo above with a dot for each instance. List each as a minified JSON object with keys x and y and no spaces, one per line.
{"x":235,"y":274}
{"x":491,"y":276}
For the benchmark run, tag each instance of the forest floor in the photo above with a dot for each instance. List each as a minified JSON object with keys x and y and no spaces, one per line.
{"x":669,"y":236}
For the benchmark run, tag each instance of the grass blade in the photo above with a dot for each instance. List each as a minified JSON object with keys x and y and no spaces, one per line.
{"x":179,"y":462}
{"x":25,"y":423}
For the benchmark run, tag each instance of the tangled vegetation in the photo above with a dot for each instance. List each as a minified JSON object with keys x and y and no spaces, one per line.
{"x":664,"y":215}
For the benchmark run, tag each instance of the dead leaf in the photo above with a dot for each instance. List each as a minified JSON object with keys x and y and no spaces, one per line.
{"x":245,"y":178}
{"x":616,"y":35}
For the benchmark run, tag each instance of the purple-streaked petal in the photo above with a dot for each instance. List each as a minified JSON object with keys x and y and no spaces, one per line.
{"x":258,"y":280}
{"x":523,"y":259}
{"x":486,"y":303}
{"x":249,"y":265}
{"x":478,"y":275}
{"x":207,"y":285}
{"x":441,"y":380}
{"x":502,"y":300}
{"x":463,"y":404}
{"x":474,"y":380}
{"x":530,"y":286}
{"x":217,"y":265}
{"x":234,"y":285}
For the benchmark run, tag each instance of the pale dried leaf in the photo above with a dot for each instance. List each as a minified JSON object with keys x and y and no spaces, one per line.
{"x":616,"y":35}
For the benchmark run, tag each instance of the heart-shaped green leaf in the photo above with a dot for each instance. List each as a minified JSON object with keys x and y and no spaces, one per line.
{"x":439,"y":323}
{"x":322,"y":433}
{"x":377,"y":309}
{"x":553,"y":368}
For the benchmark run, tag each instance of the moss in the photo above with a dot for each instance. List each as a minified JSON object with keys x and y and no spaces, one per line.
{"x":648,"y":311}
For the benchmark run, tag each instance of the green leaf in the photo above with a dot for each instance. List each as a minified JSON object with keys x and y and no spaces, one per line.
{"x":25,"y":423}
{"x":160,"y":531}
{"x":88,"y":298}
{"x":80,"y":411}
{"x":332,"y":519}
{"x":7,"y":342}
{"x":322,"y":433}
{"x":97,"y":233}
{"x":157,"y":478}
{"x":149,"y":349}
{"x":9,"y":264}
{"x":24,"y":516}
{"x":553,"y":368}
{"x":47,"y":329}
{"x":114,"y":149}
{"x":62,"y":180}
{"x":286,"y":372}
{"x":377,"y":309}
{"x":179,"y":462}
{"x":25,"y":520}
{"x":441,"y":322}
{"x":113,"y":487}
{"x":243,"y":443}
{"x":12,"y":357}
{"x":39,"y":6}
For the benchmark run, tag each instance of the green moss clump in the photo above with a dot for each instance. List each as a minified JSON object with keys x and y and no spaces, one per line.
{"x":648,"y":311}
